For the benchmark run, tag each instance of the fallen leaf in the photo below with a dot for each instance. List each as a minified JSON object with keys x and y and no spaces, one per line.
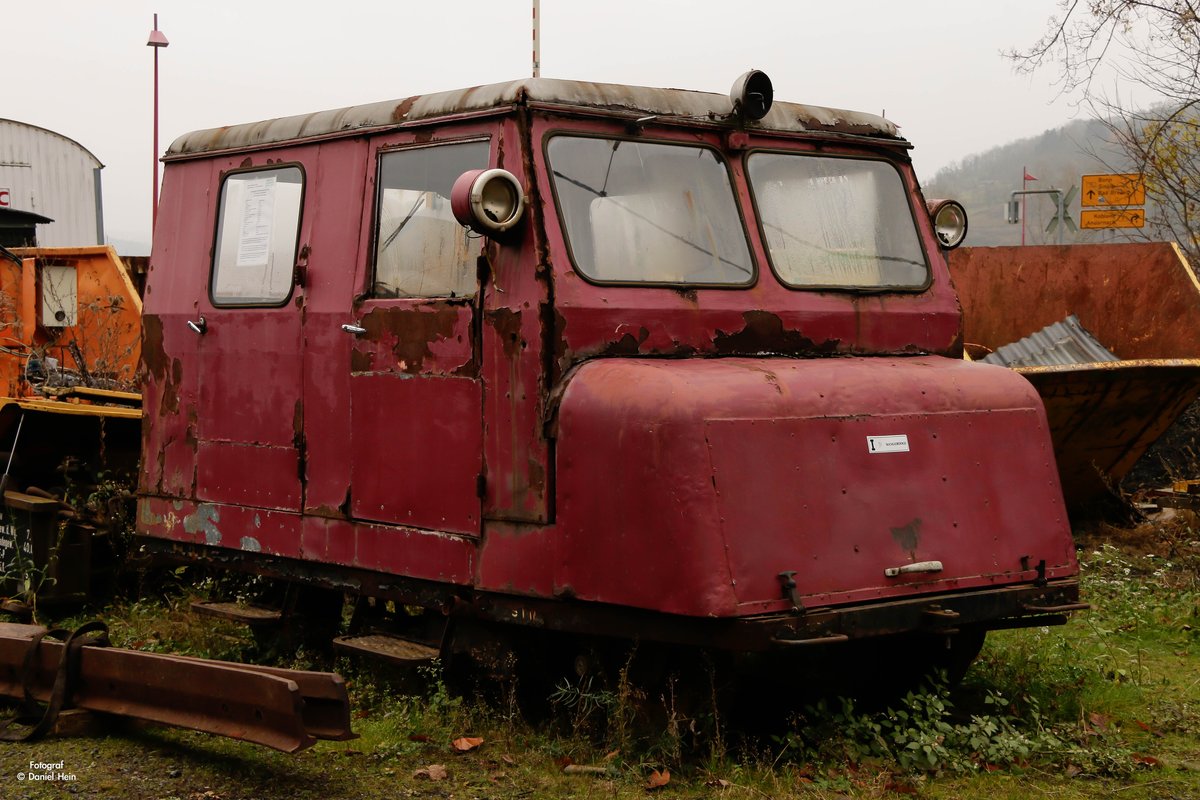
{"x":1146,"y":761}
{"x":1148,"y":729}
{"x":612,"y":755}
{"x":418,"y":737}
{"x":434,"y":772}
{"x":507,"y":759}
{"x":1072,"y":770}
{"x":1099,"y":721}
{"x":658,"y":779}
{"x":465,"y":743}
{"x":563,"y":762}
{"x":901,"y":788}
{"x":719,"y":783}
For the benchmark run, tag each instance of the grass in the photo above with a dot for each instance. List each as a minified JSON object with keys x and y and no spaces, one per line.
{"x":1106,"y":706}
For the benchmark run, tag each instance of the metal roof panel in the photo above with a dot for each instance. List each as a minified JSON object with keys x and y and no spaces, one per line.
{"x":604,"y":97}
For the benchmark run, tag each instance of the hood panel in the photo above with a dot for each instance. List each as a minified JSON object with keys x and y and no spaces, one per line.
{"x":839,"y":500}
{"x":687,"y":486}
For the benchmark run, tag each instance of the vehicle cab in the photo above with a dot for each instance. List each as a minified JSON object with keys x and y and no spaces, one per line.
{"x":642,"y":362}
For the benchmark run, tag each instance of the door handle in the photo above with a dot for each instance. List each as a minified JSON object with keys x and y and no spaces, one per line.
{"x":908,"y":569}
{"x":199,"y":326}
{"x":357,"y":330}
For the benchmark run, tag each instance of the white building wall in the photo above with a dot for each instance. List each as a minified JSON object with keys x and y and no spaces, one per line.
{"x":49,"y":174}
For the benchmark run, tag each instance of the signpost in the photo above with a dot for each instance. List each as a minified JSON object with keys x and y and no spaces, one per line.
{"x":1093,"y":219}
{"x":1063,"y":217}
{"x":1121,"y":189}
{"x":1107,"y":201}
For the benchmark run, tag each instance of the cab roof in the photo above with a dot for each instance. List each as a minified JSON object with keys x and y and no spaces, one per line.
{"x":604,"y":98}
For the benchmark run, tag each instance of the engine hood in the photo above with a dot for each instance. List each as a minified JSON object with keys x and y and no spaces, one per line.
{"x":690,"y":486}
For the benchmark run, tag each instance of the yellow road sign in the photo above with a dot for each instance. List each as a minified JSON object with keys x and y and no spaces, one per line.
{"x":1112,"y":218}
{"x":1122,"y":189}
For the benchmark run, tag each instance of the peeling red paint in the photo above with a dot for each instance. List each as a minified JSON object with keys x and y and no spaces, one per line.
{"x":764,"y":333}
{"x":507,"y":324}
{"x":408,"y":333}
{"x":153,"y":354}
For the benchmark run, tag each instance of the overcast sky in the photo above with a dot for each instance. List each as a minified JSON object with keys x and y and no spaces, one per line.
{"x":82,"y":68}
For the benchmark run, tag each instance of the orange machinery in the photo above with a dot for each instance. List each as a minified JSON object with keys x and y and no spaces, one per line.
{"x":70,"y":415}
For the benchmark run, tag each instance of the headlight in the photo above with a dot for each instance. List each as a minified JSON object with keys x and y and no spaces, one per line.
{"x":487,"y":201}
{"x":949,"y":221}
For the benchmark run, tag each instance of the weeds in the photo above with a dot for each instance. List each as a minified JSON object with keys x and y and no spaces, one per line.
{"x":1109,"y":696}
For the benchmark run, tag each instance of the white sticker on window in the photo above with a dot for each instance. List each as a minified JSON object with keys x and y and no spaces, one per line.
{"x":258,"y":212}
{"x":888,"y":444}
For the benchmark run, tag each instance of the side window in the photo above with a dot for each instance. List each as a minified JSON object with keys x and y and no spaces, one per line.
{"x":420,"y":249}
{"x":258,"y":227}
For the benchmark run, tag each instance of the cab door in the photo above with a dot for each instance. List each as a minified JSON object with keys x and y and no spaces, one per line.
{"x":416,"y":422}
{"x":248,"y":448}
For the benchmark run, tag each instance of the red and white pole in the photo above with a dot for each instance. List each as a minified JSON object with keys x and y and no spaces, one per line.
{"x":537,"y":39}
{"x":1024,"y":178}
{"x":157,"y":40}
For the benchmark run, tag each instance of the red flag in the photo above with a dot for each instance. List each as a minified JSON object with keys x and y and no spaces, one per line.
{"x":1029,"y":177}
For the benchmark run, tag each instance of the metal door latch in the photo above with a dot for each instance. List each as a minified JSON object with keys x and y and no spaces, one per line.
{"x":199,"y":326}
{"x":920,"y":566}
{"x":357,"y":330}
{"x":787,"y":580}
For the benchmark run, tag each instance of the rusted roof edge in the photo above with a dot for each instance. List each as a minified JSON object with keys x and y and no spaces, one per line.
{"x":578,"y":95}
{"x":364,"y":130}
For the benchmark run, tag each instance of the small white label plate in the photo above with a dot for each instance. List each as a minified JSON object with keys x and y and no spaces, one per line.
{"x":887,"y":444}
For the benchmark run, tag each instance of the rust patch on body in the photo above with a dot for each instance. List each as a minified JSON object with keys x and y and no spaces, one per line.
{"x":400,"y":112}
{"x":360,"y":361}
{"x":908,"y":537}
{"x":764,"y":333}
{"x":537,"y":478}
{"x":153,"y":354}
{"x":507,"y":324}
{"x":408,"y":332}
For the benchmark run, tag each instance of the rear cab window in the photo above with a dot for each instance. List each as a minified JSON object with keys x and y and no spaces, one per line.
{"x":258,"y":228}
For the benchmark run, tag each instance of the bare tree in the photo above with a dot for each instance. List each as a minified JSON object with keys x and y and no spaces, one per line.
{"x":1151,"y":50}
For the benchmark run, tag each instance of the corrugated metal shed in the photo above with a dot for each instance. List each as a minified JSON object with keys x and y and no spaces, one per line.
{"x":46,"y":173}
{"x":1066,"y":342}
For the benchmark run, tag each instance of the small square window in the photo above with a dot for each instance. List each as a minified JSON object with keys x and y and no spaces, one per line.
{"x":258,"y":227}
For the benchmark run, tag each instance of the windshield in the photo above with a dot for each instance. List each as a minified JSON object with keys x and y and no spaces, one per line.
{"x":837,"y":222}
{"x":649,"y":213}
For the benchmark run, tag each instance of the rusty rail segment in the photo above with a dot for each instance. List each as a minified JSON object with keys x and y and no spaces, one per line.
{"x":288,"y":710}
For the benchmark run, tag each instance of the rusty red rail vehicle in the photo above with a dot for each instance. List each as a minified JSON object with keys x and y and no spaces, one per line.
{"x":604,"y":360}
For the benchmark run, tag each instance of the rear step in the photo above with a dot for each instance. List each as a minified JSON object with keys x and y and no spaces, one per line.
{"x":238,"y":612}
{"x":394,"y":649}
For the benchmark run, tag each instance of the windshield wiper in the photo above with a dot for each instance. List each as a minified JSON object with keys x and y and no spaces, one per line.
{"x":416,"y":206}
{"x":651,"y":222}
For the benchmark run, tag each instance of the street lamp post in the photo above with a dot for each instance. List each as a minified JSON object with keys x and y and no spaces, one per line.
{"x":157,"y":40}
